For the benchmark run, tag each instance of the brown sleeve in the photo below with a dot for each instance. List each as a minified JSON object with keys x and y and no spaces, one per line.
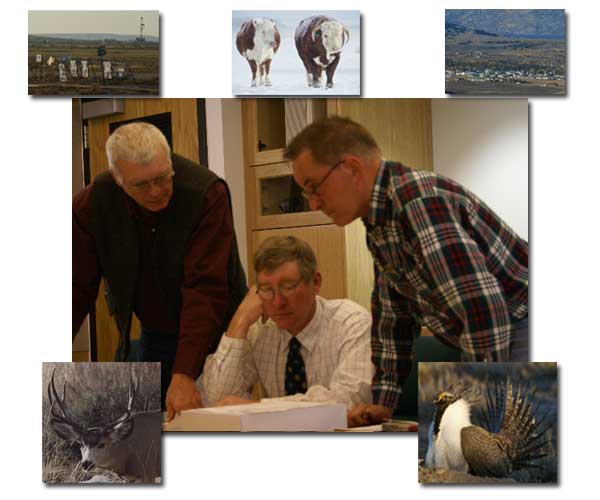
{"x":204,"y":293}
{"x":86,"y":269}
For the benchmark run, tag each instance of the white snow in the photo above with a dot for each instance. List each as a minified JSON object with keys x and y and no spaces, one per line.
{"x":288,"y":75}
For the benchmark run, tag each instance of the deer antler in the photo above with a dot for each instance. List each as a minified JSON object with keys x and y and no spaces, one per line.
{"x":64,"y":417}
{"x":127,"y":415}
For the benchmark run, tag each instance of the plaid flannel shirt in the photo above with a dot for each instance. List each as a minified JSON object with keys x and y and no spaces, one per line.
{"x":443,"y":259}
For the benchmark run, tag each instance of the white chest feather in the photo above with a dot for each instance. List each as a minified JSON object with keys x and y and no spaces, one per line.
{"x":444,"y":449}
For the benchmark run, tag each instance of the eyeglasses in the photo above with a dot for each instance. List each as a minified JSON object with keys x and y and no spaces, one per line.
{"x":285,"y":290}
{"x":159,"y":181}
{"x":312,"y":191}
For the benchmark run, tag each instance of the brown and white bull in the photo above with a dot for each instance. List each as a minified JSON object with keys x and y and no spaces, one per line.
{"x":319,"y":41}
{"x":258,"y":40}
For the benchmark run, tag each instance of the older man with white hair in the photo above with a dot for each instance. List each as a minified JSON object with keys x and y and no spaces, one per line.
{"x":158,"y":229}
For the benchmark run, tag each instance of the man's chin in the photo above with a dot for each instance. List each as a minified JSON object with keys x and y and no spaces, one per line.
{"x":340,"y":221}
{"x":156,"y":207}
{"x":283,"y":322}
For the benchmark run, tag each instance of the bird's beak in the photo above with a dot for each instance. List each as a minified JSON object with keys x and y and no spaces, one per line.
{"x":440,"y":398}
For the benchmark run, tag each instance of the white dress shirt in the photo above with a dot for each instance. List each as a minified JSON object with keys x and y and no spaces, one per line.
{"x":335,"y":347}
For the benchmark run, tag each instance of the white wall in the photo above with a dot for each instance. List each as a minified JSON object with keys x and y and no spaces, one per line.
{"x":483,"y":144}
{"x":226,"y":159}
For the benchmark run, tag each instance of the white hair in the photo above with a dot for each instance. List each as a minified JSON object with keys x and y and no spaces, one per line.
{"x":138,"y":142}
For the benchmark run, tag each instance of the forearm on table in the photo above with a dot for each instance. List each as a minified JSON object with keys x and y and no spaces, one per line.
{"x":224,"y":372}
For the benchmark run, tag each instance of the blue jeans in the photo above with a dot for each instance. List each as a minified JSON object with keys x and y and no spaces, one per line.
{"x":155,"y":346}
{"x":519,"y":346}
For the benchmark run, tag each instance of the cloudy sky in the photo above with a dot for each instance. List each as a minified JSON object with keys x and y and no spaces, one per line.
{"x":120,"y":22}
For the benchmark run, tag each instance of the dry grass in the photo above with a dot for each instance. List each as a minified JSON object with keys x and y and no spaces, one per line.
{"x":96,"y":394}
{"x":436,"y":377}
{"x":142,"y":61}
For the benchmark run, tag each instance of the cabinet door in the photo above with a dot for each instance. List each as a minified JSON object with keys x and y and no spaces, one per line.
{"x":278,"y":200}
{"x":328,"y":244}
{"x":401,"y":127}
{"x":269,"y":124}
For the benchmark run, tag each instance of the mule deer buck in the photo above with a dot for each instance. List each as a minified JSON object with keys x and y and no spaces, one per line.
{"x":128,"y":446}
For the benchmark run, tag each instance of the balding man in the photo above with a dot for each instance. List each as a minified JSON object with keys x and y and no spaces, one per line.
{"x":442,"y":257}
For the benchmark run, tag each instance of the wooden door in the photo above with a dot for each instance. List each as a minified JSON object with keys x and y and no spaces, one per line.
{"x":184,"y":123}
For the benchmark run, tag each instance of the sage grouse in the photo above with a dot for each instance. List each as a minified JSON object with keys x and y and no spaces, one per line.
{"x":509,"y":438}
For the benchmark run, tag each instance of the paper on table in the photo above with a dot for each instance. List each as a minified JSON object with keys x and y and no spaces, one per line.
{"x":277,"y":416}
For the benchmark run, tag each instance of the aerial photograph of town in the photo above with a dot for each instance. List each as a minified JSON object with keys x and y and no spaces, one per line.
{"x":93,"y":53}
{"x":510,"y":52}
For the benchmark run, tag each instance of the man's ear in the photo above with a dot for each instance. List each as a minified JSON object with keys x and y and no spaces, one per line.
{"x":317,"y":280}
{"x":353,"y":164}
{"x":116,"y":176}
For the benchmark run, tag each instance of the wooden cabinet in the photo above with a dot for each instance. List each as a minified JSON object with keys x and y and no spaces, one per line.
{"x":275,"y":200}
{"x":402,"y":127}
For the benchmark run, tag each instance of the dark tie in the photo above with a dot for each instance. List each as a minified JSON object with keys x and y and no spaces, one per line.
{"x":295,"y":374}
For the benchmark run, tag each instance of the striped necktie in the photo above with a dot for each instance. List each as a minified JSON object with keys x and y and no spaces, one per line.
{"x":295,"y":374}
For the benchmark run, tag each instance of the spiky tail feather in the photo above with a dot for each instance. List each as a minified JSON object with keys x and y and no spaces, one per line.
{"x":511,"y":414}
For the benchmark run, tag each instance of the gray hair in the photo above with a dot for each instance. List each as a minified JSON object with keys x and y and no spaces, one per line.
{"x":277,"y":250}
{"x":138,"y":142}
{"x":330,"y":138}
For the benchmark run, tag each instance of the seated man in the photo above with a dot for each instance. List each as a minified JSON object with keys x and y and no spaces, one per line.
{"x":298,"y":345}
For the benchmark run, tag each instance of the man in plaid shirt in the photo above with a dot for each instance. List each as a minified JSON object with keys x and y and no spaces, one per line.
{"x":442,"y":257}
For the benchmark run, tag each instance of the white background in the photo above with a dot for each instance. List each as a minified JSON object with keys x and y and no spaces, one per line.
{"x":482,"y":143}
{"x":403,"y":56}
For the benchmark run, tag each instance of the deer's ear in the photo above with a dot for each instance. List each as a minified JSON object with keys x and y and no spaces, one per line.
{"x":121,"y":431}
{"x":65,"y":431}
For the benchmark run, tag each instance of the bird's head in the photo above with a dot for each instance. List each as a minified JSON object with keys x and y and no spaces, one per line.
{"x":445,"y":398}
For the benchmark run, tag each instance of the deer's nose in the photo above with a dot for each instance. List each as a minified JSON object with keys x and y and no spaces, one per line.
{"x":86,"y":464}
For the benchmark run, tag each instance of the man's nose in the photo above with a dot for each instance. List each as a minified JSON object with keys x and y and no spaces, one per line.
{"x":314,"y":203}
{"x":155,"y":189}
{"x":278,"y":299}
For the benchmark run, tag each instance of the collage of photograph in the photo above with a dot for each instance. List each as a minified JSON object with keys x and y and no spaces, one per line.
{"x":296,"y":231}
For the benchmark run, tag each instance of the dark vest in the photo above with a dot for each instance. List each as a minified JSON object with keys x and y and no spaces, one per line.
{"x":117,"y":245}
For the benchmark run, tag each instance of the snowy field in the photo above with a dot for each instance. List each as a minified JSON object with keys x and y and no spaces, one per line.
{"x":288,"y":76}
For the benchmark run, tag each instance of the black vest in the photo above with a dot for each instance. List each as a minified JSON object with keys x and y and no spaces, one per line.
{"x":117,"y":245}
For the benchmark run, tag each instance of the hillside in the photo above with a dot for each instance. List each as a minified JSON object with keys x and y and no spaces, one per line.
{"x":536,"y":23}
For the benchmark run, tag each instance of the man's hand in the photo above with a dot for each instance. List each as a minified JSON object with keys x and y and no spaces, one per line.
{"x":363,"y":414}
{"x":248,"y":312}
{"x":181,"y":395}
{"x":233,"y":400}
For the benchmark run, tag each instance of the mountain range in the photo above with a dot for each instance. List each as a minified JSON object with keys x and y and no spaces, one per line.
{"x":526,"y":23}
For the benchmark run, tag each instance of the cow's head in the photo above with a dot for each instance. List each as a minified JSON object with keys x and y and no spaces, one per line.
{"x":333,"y":36}
{"x":265,"y":31}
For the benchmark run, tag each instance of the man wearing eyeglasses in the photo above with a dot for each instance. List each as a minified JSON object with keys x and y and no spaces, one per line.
{"x":298,"y":345}
{"x":442,"y":257}
{"x":158,"y":229}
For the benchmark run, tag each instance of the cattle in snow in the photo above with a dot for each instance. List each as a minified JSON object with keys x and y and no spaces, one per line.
{"x":319,"y":41}
{"x":258,"y":40}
